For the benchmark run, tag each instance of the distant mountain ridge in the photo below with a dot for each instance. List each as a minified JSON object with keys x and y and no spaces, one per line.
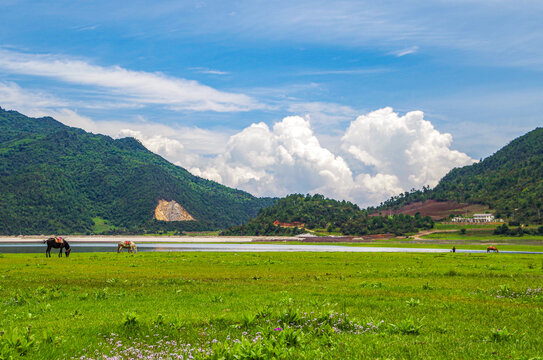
{"x":509,"y":181}
{"x":59,"y":179}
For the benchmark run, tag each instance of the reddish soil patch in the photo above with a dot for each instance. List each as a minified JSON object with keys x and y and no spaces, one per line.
{"x":351,"y":239}
{"x":436,"y":209}
{"x":331,"y":239}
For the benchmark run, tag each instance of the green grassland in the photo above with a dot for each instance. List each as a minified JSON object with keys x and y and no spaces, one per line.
{"x":449,"y":226}
{"x":272,"y":305}
{"x":481,"y":235}
{"x":460,"y":245}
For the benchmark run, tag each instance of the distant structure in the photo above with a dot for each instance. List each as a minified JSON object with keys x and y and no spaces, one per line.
{"x":483,"y":217}
{"x":297,"y":224}
{"x":476,"y":219}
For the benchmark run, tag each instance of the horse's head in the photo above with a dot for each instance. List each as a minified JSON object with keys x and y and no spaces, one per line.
{"x":68,"y":252}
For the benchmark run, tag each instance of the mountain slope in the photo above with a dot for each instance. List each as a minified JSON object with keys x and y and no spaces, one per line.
{"x":510,"y":182}
{"x":55,"y":178}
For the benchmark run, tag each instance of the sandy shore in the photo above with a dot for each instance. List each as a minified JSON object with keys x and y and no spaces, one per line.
{"x":146,"y":239}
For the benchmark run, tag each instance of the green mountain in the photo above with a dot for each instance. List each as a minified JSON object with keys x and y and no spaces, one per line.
{"x":510,"y":182}
{"x":318,"y":212}
{"x":58,"y":179}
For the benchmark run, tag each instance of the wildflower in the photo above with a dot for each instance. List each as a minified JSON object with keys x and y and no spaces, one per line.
{"x":277,"y":329}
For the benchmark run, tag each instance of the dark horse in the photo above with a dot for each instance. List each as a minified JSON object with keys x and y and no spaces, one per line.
{"x":57,"y":243}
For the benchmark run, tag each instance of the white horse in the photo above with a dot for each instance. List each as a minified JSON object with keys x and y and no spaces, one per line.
{"x":130,"y":245}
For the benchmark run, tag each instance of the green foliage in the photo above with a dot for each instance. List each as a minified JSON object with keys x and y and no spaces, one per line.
{"x":499,"y":335}
{"x":406,"y":327}
{"x":130,"y":319}
{"x":15,"y":343}
{"x":519,"y":231}
{"x":57,"y":179}
{"x":509,"y":181}
{"x":318,"y":212}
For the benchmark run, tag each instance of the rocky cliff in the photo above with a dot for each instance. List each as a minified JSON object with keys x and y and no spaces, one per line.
{"x":171,"y":211}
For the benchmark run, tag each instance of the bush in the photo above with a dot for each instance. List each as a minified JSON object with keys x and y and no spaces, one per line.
{"x":15,"y":343}
{"x":499,"y":335}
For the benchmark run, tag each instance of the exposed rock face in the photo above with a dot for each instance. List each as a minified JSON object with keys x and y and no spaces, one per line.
{"x":171,"y":211}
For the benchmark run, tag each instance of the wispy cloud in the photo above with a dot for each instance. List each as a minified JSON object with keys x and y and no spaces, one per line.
{"x":346,"y":71}
{"x":406,"y":51}
{"x":136,"y":86}
{"x":203,"y":70}
{"x":324,"y":113}
{"x":465,"y":25}
{"x":86,"y":27}
{"x":14,"y":97}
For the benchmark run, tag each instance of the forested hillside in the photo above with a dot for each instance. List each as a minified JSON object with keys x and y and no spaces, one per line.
{"x":510,"y":182}
{"x":318,"y":212}
{"x":58,"y":179}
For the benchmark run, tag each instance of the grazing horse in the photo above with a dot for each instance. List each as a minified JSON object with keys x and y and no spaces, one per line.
{"x":492,"y":248}
{"x":58,"y":243}
{"x":130,"y":245}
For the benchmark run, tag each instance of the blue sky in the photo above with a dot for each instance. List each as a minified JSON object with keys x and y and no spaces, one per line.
{"x":277,"y":96}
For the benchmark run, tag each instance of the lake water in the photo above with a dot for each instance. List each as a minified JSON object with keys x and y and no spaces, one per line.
{"x":249,"y":247}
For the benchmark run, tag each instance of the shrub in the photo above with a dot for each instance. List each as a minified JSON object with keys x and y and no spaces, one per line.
{"x":130,"y":319}
{"x":499,"y":335}
{"x":413,"y":302}
{"x":15,"y":342}
{"x":405,"y":327}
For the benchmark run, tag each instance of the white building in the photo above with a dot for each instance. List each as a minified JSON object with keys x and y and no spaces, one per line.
{"x":483,"y":217}
{"x":477,"y":218}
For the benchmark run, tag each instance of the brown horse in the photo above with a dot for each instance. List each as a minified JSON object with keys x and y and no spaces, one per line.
{"x":58,"y":243}
{"x":492,"y":248}
{"x":130,"y":245}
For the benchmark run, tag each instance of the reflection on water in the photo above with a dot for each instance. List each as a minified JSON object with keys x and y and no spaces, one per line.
{"x":112,"y":247}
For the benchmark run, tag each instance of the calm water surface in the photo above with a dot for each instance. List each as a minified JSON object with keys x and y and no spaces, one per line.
{"x":112,"y":247}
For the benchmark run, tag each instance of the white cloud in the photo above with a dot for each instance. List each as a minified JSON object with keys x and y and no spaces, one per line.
{"x":14,"y":97}
{"x":287,"y":158}
{"x":391,"y":153}
{"x":129,"y":85}
{"x":406,"y":51}
{"x":407,"y":147}
{"x":203,"y":70}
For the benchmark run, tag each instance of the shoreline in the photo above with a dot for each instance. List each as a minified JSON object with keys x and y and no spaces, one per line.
{"x":30,"y":239}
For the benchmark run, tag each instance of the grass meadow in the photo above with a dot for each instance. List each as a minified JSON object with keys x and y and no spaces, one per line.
{"x":271,"y":305}
{"x":479,"y":235}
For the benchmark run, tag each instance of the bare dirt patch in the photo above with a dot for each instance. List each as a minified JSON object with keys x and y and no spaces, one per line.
{"x":436,"y":209}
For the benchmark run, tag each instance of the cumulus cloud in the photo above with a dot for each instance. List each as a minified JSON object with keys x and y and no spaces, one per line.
{"x":406,"y":147}
{"x":390,"y":153}
{"x":284,"y":159}
{"x":128,"y":85}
